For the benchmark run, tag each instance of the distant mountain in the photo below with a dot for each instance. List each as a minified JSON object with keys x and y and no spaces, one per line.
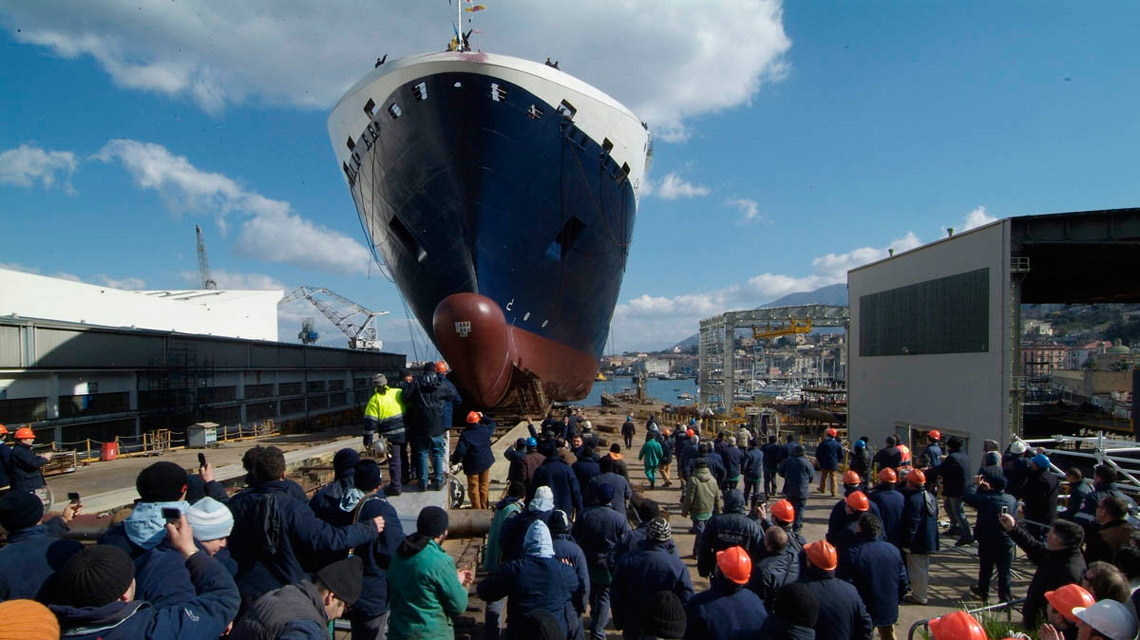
{"x":835,"y":294}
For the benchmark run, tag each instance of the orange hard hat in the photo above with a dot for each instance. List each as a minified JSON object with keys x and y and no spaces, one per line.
{"x":934,"y":434}
{"x":888,"y":475}
{"x":958,"y":625}
{"x":690,"y":433}
{"x":735,"y":564}
{"x":822,"y":554}
{"x":3,"y":430}
{"x":441,"y":367}
{"x":905,"y":452}
{"x":1065,"y":598}
{"x":832,"y":432}
{"x":473,"y":417}
{"x":916,"y":476}
{"x":858,"y":501}
{"x":851,"y":477}
{"x":784,"y":511}
{"x":23,"y":433}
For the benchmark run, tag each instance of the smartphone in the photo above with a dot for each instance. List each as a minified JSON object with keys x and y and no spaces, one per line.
{"x":73,"y":497}
{"x":172,"y":515}
{"x":201,"y":459}
{"x":1005,"y":511}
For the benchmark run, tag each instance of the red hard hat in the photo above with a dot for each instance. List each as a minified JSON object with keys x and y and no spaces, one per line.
{"x":784,"y":511}
{"x":916,"y":477}
{"x":690,"y":433}
{"x":473,"y":417}
{"x":3,"y":430}
{"x":934,"y":434}
{"x":958,"y":625}
{"x":24,"y":433}
{"x":888,"y":475}
{"x":858,"y":501}
{"x":851,"y":477}
{"x":735,"y":564}
{"x":1065,"y":598}
{"x":832,"y":432}
{"x":441,"y":367}
{"x":822,"y":555}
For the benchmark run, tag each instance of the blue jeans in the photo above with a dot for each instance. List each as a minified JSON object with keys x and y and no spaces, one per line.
{"x":434,"y":445}
{"x":698,"y":531}
{"x":397,"y":454}
{"x":995,"y":557}
{"x":751,"y":491}
{"x":958,"y":517}
{"x":799,"y":502}
{"x":770,"y":487}
{"x":599,"y":610}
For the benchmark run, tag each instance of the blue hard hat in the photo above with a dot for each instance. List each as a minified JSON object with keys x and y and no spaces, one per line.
{"x":859,"y":444}
{"x":531,"y":442}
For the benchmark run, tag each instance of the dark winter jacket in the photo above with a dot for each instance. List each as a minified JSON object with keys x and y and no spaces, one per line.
{"x":1077,"y":494}
{"x":891,"y":504}
{"x":920,"y":523}
{"x":614,"y":464}
{"x":888,"y":458}
{"x":31,"y":556}
{"x":24,"y":469}
{"x":585,"y":470}
{"x":689,"y":453}
{"x":1054,"y":569}
{"x":774,"y":453}
{"x":987,"y":530}
{"x":647,"y":571}
{"x":954,"y":471}
{"x":733,"y":461}
{"x":514,"y":533}
{"x":5,"y":463}
{"x":770,"y":572}
{"x":753,"y":468}
{"x":634,"y":540}
{"x":474,"y":448}
{"x":716,"y":466}
{"x":449,"y":407}
{"x":876,"y":569}
{"x":1039,"y":492}
{"x":1103,"y":542}
{"x":934,"y":454}
{"x":729,"y":529}
{"x":530,"y":583}
{"x":841,"y":527}
{"x":622,"y":490}
{"x":203,"y":617}
{"x":565,"y":549}
{"x":598,"y":530}
{"x":294,"y":611}
{"x":271,"y":529}
{"x":797,"y":473}
{"x":842,"y":614}
{"x":161,"y":577}
{"x":828,"y":454}
{"x":628,"y":428}
{"x":425,"y":405}
{"x":1101,"y":490}
{"x":376,"y":557}
{"x":558,"y":475}
{"x":1016,"y":469}
{"x":775,"y":628}
{"x":725,"y":611}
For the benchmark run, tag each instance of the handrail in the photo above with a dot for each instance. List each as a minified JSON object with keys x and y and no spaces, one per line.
{"x":1001,"y":605}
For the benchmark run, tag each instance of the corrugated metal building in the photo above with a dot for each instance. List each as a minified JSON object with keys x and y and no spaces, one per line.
{"x":74,"y":381}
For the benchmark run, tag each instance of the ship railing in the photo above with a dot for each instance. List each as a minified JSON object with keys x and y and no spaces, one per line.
{"x":1104,"y":450}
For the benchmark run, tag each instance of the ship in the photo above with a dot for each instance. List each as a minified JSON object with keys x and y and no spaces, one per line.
{"x":500,"y":195}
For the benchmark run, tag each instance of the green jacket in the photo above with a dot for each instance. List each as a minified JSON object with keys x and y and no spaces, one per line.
{"x":425,"y":592}
{"x":508,"y":508}
{"x":701,"y":497}
{"x":651,"y":453}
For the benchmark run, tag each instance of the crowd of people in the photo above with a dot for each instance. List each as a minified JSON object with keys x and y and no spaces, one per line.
{"x":572,"y":550}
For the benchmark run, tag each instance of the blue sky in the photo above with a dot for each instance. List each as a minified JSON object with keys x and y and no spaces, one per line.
{"x":793,"y":141}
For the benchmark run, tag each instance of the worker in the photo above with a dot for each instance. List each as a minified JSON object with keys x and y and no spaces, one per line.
{"x":844,"y":616}
{"x":1107,"y":620}
{"x":733,"y":458}
{"x":628,"y":429}
{"x":795,"y":611}
{"x":305,"y":609}
{"x":891,"y":504}
{"x":385,"y":415}
{"x":732,"y":528}
{"x":933,"y":451}
{"x":958,"y":625}
{"x":512,"y":505}
{"x":954,"y":472}
{"x":441,"y":370}
{"x":1061,"y":624}
{"x":776,"y":564}
{"x":567,"y":551}
{"x":598,"y":530}
{"x":25,"y":467}
{"x":919,"y":535}
{"x":1058,"y":560}
{"x":726,"y":610}
{"x":797,"y":473}
{"x":1039,"y":492}
{"x":843,"y":532}
{"x":700,"y":500}
{"x":650,"y":569}
{"x":474,"y":451}
{"x":995,"y":547}
{"x":753,"y":472}
{"x":427,"y":401}
{"x":773,"y":454}
{"x":34,"y":549}
{"x":431,"y":590}
{"x":876,"y":569}
{"x":860,"y":462}
{"x":827,"y":455}
{"x":5,"y":457}
{"x":651,"y":454}
{"x":890,"y":456}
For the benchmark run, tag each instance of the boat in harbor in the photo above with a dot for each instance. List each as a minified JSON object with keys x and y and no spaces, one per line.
{"x":500,"y":195}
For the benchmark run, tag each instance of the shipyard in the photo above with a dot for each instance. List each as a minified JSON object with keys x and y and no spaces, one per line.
{"x":751,"y":320}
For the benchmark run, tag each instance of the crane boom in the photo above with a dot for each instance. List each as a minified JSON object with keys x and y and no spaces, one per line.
{"x":361,"y":331}
{"x":207,"y":280}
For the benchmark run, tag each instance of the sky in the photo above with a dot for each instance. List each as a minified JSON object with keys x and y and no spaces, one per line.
{"x":792,"y":141}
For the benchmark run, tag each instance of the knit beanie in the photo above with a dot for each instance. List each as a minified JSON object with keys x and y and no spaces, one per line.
{"x":432,"y":522}
{"x":210,"y":519}
{"x":94,"y":577}
{"x":344,"y":461}
{"x":161,"y":482}
{"x":367,"y":475}
{"x":344,"y":578}
{"x":659,"y":530}
{"x":796,"y":604}
{"x":663,"y":616}
{"x":27,"y":620}
{"x":604,"y":493}
{"x":20,"y":510}
{"x":559,"y":522}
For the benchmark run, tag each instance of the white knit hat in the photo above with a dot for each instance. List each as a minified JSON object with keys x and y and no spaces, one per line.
{"x":210,"y":519}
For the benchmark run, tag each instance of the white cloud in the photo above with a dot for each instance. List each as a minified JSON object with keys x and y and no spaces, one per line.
{"x":235,"y":280}
{"x":977,"y":218}
{"x":673,"y":186}
{"x":270,"y":230}
{"x":27,"y":164}
{"x":749,"y":210}
{"x":101,"y":279}
{"x":668,"y":61}
{"x":128,"y":283}
{"x":659,"y":321}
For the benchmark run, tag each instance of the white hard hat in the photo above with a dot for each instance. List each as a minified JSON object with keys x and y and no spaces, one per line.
{"x":1110,"y":618}
{"x":1018,"y":447}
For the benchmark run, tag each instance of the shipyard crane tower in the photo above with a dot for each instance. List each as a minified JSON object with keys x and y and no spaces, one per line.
{"x":207,"y":280}
{"x":358,"y":323}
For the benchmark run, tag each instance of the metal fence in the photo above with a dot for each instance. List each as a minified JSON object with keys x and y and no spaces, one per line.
{"x":157,"y":442}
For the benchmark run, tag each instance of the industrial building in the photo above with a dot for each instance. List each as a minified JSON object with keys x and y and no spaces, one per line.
{"x":935,"y":331}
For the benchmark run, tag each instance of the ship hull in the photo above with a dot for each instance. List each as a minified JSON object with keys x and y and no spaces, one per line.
{"x":504,"y":216}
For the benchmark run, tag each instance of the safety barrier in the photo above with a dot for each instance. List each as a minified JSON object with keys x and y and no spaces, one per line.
{"x":1104,"y":450}
{"x":1008,"y":606}
{"x":160,"y":441}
